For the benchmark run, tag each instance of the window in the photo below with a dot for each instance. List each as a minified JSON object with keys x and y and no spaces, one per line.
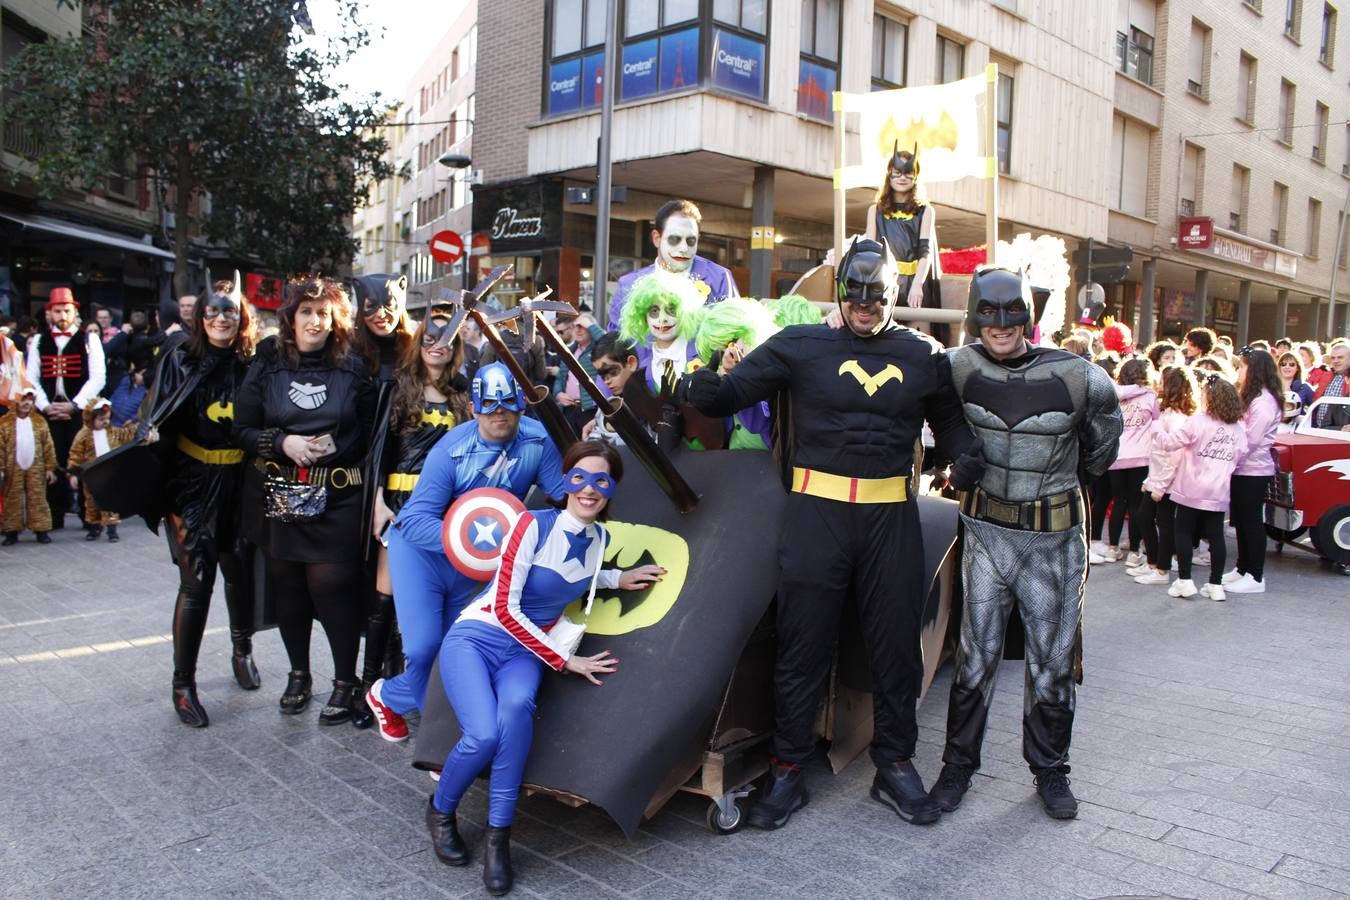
{"x":1344,"y":232}
{"x":379,"y":239}
{"x":1314,"y":227}
{"x":738,"y":50}
{"x":951,"y":60}
{"x":1003,"y":117}
{"x":407,"y":226}
{"x":1134,"y":54}
{"x":1246,"y":88}
{"x":1319,"y":150}
{"x":1197,"y":61}
{"x":1192,"y":178}
{"x":889,"y":42}
{"x":818,"y":68}
{"x":576,"y":57}
{"x":1279,"y":213}
{"x":1129,"y":166}
{"x":643,"y":16}
{"x":1237,"y":201}
{"x":1327,"y":52}
{"x":1287,"y":94}
{"x":747,"y":15}
{"x":1293,"y":17}
{"x":1254,"y":5}
{"x":660,"y":50}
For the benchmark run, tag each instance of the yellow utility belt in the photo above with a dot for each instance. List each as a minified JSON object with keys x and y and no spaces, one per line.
{"x":336,"y":478}
{"x":211,"y":457}
{"x":850,"y":490}
{"x":906,"y":267}
{"x":400,"y":481}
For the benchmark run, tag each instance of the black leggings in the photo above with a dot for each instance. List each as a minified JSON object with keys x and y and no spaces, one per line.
{"x":1248,"y":498}
{"x":1157,"y":522}
{"x":1207,"y":524}
{"x":327,"y":591}
{"x":1100,"y":499}
{"x":1125,"y":491}
{"x":198,"y":555}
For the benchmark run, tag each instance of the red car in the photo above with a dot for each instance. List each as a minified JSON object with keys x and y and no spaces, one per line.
{"x":1311,"y":489}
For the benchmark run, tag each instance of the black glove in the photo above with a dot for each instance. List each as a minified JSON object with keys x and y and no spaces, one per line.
{"x":969,"y":467}
{"x":699,"y":388}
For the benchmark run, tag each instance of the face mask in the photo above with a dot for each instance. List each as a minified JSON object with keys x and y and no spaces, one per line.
{"x":221,"y":305}
{"x":578,"y":479}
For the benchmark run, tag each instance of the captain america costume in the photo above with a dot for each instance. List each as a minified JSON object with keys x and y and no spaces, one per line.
{"x":497,"y":645}
{"x":428,"y":591}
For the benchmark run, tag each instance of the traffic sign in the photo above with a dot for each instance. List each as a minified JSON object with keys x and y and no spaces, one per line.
{"x":446,"y":247}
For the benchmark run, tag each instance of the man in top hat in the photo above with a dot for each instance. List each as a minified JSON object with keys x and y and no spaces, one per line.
{"x":66,"y":367}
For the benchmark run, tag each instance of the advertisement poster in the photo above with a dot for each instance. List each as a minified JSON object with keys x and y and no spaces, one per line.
{"x":679,"y":59}
{"x":639,"y":70}
{"x":738,"y":64}
{"x":564,"y":87}
{"x":592,"y":79}
{"x":815,"y":84}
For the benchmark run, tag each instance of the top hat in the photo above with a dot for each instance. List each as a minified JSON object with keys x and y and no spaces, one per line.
{"x":60,"y":296}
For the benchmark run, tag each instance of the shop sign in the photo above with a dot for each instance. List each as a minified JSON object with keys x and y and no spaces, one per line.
{"x":518,"y":217}
{"x":679,"y":59}
{"x":1195,"y":232}
{"x":738,"y":64}
{"x":1243,"y":253}
{"x":638,"y":76}
{"x":564,"y":87}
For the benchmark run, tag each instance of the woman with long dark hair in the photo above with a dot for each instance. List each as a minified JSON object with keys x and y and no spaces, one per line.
{"x":305,"y":411}
{"x":192,"y":398}
{"x":1262,"y":397}
{"x":908,"y":226}
{"x":493,"y":657}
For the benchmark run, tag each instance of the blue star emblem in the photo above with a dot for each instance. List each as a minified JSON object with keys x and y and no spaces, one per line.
{"x":577,"y":547}
{"x":484,"y":532}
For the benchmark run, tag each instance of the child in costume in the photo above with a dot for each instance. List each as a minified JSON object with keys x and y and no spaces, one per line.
{"x":27,"y":466}
{"x":615,"y":360}
{"x":727,"y":332}
{"x":1157,"y":512}
{"x":96,"y":438}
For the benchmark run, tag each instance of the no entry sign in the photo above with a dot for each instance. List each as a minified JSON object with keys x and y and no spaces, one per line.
{"x":446,"y":247}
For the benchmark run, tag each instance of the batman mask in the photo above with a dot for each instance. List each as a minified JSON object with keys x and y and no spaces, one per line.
{"x":866,"y":276}
{"x":227,"y":303}
{"x":380,"y":293}
{"x":904,"y":162}
{"x":999,"y":298}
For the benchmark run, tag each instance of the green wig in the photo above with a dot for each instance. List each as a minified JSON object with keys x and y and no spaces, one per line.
{"x":736,"y":319}
{"x":794,"y":309}
{"x":675,"y":293}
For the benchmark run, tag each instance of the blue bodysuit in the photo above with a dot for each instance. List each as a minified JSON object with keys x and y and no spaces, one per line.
{"x":490,"y":661}
{"x":428,"y":591}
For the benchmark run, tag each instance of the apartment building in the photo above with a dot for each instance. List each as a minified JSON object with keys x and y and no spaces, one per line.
{"x":430,"y":126}
{"x":727,"y":102}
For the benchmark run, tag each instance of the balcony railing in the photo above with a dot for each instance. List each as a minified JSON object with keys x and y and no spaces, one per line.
{"x":19,"y":140}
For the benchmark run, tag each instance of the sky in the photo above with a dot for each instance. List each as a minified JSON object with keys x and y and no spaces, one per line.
{"x":402,"y":34}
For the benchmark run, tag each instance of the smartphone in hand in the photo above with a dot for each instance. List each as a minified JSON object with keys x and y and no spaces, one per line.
{"x":324,"y":445}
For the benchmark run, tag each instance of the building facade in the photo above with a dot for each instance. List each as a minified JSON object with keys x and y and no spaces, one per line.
{"x":726,"y":102}
{"x":434,"y":120}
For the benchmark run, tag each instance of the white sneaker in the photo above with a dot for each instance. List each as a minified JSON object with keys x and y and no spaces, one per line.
{"x":1200,"y":557}
{"x":1231,"y":576}
{"x":1134,"y":559}
{"x":1247,"y":585}
{"x":1182,"y":587}
{"x":1213,"y":591}
{"x":1152,"y":576}
{"x":1142,"y":568}
{"x":1110,"y":554}
{"x":1095,"y":559}
{"x":1097,"y":547}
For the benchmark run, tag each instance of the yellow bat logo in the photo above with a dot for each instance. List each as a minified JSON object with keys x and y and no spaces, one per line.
{"x":220,"y":412}
{"x":619,"y":612}
{"x":871,"y":383}
{"x":437,"y":417}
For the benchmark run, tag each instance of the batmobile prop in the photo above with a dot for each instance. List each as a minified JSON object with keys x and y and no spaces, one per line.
{"x":1311,"y":488}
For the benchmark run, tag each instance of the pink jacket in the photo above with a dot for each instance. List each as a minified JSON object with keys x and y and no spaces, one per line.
{"x":1139,"y":408}
{"x":1162,"y":464}
{"x":1260,"y":421}
{"x":1213,"y":450}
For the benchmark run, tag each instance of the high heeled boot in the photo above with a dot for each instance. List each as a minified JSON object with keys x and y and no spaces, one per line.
{"x":497,"y":874}
{"x":445,"y":839}
{"x":245,"y":672}
{"x":185,"y":702}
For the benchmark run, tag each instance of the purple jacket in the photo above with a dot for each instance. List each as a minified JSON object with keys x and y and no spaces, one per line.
{"x":1212,"y":450}
{"x":1139,"y":409}
{"x":719,"y":282}
{"x":1259,"y":422}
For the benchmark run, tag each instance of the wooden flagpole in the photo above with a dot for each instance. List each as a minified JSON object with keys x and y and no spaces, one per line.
{"x":991,"y":162}
{"x":839,"y":206}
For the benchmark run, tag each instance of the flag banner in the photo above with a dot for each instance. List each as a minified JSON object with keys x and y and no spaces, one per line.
{"x":946,"y":121}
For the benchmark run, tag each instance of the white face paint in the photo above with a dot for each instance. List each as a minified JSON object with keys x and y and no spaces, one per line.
{"x":675,"y":247}
{"x":662,"y":323}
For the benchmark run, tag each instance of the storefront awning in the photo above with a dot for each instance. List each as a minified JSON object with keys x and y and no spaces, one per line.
{"x":85,"y":233}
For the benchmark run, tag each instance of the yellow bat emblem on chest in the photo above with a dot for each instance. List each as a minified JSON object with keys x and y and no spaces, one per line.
{"x":436,"y":417}
{"x":871,"y":383}
{"x":220,"y":412}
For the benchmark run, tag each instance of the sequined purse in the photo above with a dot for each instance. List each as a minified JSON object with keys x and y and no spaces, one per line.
{"x":290,"y":501}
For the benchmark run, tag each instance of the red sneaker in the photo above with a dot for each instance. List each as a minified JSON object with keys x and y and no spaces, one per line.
{"x":393,"y":727}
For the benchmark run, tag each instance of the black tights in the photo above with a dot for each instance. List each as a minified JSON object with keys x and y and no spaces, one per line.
{"x":329,"y":592}
{"x":1208,"y":525}
{"x":198,"y":557}
{"x":1248,"y":498}
{"x":1156,"y":522}
{"x":1100,"y":499}
{"x":1125,"y":491}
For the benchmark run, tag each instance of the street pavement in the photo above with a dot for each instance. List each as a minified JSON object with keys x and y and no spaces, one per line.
{"x":1211,"y":754}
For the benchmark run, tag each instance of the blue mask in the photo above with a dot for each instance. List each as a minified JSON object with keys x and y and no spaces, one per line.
{"x":577,"y":478}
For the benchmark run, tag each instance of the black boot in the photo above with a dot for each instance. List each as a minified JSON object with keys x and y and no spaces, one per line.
{"x":340,"y":702}
{"x":362,"y":715}
{"x":112,"y":534}
{"x":445,"y":839}
{"x":185,"y":702}
{"x":782,"y":795}
{"x":497,"y":874}
{"x":245,"y":672}
{"x":951,"y":786}
{"x":1058,"y":800}
{"x":11,"y":538}
{"x":394,"y":661}
{"x":92,"y":532}
{"x":296,"y":697}
{"x":45,"y":538}
{"x":900,"y":787}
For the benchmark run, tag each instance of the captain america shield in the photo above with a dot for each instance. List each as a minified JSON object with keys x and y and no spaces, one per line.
{"x":475,"y":530}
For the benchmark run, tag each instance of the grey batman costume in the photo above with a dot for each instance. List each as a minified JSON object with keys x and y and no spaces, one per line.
{"x":1047,"y":419}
